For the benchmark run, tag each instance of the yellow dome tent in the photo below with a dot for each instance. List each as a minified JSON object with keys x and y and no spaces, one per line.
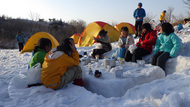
{"x":128,"y":25}
{"x":93,"y":29}
{"x":76,"y":37}
{"x":33,"y":41}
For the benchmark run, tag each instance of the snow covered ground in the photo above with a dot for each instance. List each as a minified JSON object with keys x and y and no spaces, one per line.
{"x":146,"y":89}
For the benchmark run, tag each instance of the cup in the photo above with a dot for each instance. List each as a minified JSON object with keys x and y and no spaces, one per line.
{"x":119,"y":73}
{"x":121,"y":60}
{"x":97,"y":58}
{"x":141,"y":63}
{"x":86,"y":60}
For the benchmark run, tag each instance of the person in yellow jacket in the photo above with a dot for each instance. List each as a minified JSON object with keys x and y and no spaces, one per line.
{"x":162,"y":17}
{"x":61,"y":66}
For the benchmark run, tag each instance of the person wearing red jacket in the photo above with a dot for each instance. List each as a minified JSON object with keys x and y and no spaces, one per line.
{"x":145,"y":44}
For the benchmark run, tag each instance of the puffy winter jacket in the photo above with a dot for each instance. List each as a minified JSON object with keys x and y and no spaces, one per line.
{"x":162,"y":16}
{"x":55,"y":65}
{"x":179,"y":27}
{"x":126,"y":41}
{"x":148,"y":39}
{"x":170,"y":44}
{"x":139,"y":13}
{"x":20,"y":38}
{"x":105,"y":42}
{"x":38,"y":57}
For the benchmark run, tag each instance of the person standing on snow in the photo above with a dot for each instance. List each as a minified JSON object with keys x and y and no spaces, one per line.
{"x":20,"y":40}
{"x":61,"y":66}
{"x":162,"y":17}
{"x":167,"y":46}
{"x":139,"y":14}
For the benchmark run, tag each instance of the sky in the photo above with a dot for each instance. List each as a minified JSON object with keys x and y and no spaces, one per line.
{"x":110,"y":11}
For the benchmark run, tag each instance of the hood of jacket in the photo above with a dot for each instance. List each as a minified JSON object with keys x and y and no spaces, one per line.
{"x":54,"y":54}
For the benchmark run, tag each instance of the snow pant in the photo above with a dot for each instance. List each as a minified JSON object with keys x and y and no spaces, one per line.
{"x":137,"y":55}
{"x":72,"y":73}
{"x":160,"y":58}
{"x":98,"y":52}
{"x":20,"y":45}
{"x":138,"y":30}
{"x":119,"y":53}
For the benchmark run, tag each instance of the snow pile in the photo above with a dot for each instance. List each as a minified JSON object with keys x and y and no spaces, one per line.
{"x":133,"y":74}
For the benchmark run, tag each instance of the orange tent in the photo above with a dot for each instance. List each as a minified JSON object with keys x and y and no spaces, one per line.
{"x":75,"y":37}
{"x":128,"y":25}
{"x":93,"y":29}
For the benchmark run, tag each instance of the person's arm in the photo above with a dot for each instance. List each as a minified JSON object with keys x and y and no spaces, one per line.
{"x":103,"y":40}
{"x":131,"y":41}
{"x":17,"y":38}
{"x":157,"y":45}
{"x":134,"y":14}
{"x":120,"y":43}
{"x":74,"y":59}
{"x":152,"y":38}
{"x":177,"y":44}
{"x":143,"y":14}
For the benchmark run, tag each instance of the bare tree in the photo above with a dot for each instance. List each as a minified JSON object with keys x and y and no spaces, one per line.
{"x":169,"y":15}
{"x":187,"y":2}
{"x":34,"y":16}
{"x":149,"y":17}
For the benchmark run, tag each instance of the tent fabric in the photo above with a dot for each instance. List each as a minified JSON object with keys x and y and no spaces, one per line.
{"x":75,"y":37}
{"x":128,"y":25}
{"x":93,"y":29}
{"x":33,"y":41}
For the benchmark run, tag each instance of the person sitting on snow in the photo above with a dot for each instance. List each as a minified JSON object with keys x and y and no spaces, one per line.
{"x":167,"y":46}
{"x":60,"y":66}
{"x":40,"y":51}
{"x":104,"y":41}
{"x":125,"y":40}
{"x":179,"y":27}
{"x":145,"y":44}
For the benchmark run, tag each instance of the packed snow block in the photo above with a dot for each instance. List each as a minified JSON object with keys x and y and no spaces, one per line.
{"x":177,"y":64}
{"x":110,"y":86}
{"x":18,"y":87}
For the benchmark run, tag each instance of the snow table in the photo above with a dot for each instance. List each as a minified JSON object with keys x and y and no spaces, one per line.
{"x":110,"y":86}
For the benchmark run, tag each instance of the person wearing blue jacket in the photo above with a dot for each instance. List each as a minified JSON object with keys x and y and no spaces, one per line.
{"x":167,"y":46}
{"x":179,"y":27}
{"x":20,"y":40}
{"x":139,"y":14}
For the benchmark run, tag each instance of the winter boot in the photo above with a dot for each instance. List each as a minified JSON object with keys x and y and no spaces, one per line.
{"x":78,"y":82}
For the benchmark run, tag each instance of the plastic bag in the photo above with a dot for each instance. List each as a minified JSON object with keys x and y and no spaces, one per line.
{"x":33,"y":74}
{"x":132,"y":48}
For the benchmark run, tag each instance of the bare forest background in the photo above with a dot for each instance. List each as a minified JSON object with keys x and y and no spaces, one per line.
{"x":61,"y":29}
{"x":58,"y":28}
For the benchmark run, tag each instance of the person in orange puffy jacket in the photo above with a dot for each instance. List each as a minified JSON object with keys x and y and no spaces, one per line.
{"x":60,"y":66}
{"x":145,"y":44}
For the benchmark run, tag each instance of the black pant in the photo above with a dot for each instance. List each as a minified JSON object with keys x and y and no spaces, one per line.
{"x":137,"y":55}
{"x":138,"y":30}
{"x":98,"y":52}
{"x":20,"y":45}
{"x":160,"y":58}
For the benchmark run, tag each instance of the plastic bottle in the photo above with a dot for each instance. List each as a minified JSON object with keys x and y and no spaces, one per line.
{"x":90,"y":71}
